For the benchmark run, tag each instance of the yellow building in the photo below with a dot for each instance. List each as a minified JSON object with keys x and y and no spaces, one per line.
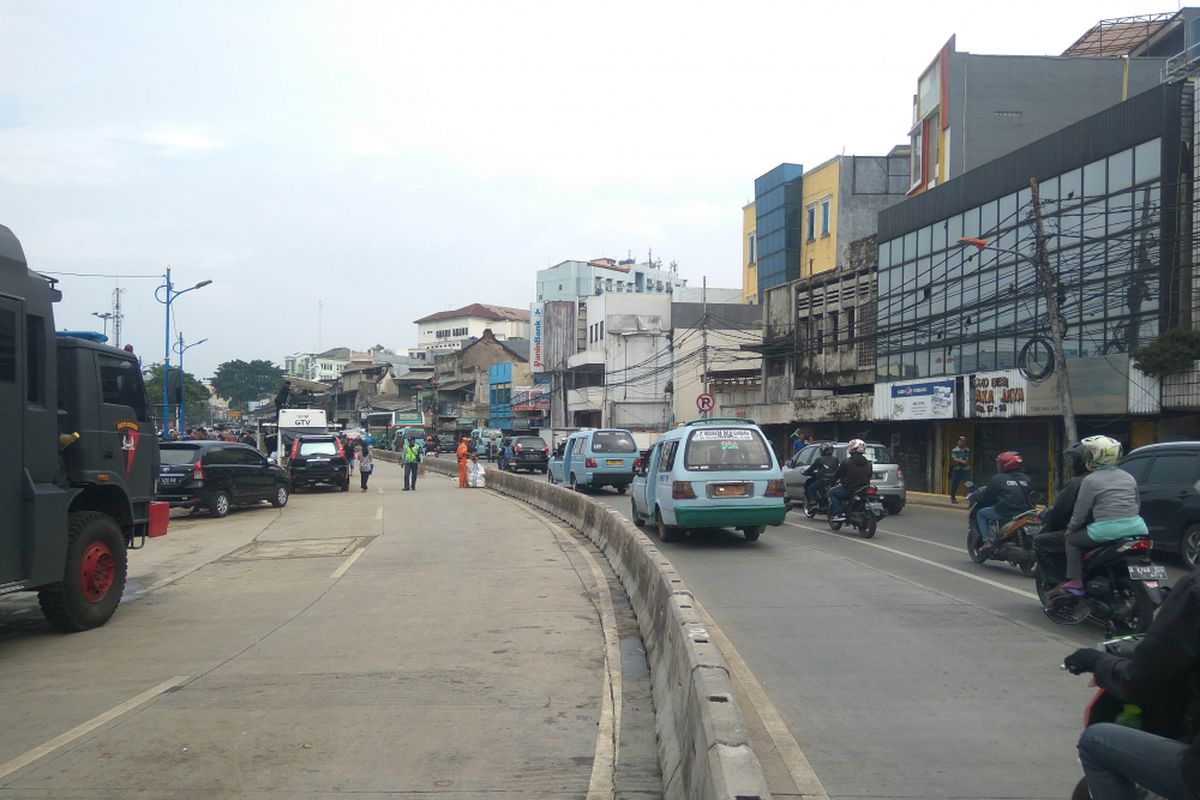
{"x":749,"y":256}
{"x":819,"y":252}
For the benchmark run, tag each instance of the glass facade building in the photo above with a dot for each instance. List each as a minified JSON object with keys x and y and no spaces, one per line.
{"x":1106,"y":189}
{"x":779,"y":210}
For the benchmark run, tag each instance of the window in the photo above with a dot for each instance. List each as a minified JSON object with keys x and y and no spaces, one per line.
{"x":601,"y":329}
{"x":577,"y":448}
{"x":812,"y":223}
{"x":833,"y":329}
{"x":825,"y":217}
{"x":35,"y":358}
{"x":750,"y":247}
{"x":121,"y":384}
{"x":726,"y":449}
{"x":850,"y":326}
{"x":8,"y":346}
{"x":178,"y":455}
{"x":1172,"y":469}
{"x":613,"y":442}
{"x":668,"y":455}
{"x":318,"y":449}
{"x":244,"y":456}
{"x":1137,"y":467}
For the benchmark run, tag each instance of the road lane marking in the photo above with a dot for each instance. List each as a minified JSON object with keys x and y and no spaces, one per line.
{"x":379,"y":513}
{"x":801,"y":771}
{"x":923,"y":541}
{"x":348,"y":563}
{"x":926,"y":561}
{"x":43,"y":750}
{"x":172,"y":578}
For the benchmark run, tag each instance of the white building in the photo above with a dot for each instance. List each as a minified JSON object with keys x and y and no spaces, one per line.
{"x":575,"y":280}
{"x":326,"y":366}
{"x":447,"y":330}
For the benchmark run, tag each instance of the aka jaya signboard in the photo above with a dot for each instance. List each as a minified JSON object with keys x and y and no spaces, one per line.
{"x":998,"y":394}
{"x":931,"y":400}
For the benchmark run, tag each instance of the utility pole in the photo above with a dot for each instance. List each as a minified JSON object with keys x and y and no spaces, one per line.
{"x":1049,"y":283}
{"x":117,"y":315}
{"x":704,"y":333}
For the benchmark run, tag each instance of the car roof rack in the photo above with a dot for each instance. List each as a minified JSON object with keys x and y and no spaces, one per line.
{"x":705,"y":420}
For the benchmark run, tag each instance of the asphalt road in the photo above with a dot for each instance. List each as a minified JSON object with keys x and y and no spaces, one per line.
{"x":370,"y":645}
{"x":901,"y":668}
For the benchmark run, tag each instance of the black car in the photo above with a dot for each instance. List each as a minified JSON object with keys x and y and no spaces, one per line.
{"x":1167,"y":475}
{"x":530,"y":453}
{"x":219,"y":475}
{"x":318,"y":459}
{"x":446,"y":443}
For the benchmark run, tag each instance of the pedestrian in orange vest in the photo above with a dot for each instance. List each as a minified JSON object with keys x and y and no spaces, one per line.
{"x":461,"y":452}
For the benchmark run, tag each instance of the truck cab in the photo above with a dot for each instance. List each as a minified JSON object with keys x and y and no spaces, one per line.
{"x":81,"y":455}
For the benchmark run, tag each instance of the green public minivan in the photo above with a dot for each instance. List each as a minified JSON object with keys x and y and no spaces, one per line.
{"x":709,"y":473}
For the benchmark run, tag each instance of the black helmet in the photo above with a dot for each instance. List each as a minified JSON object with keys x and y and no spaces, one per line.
{"x":826,"y":449}
{"x":1077,"y":457}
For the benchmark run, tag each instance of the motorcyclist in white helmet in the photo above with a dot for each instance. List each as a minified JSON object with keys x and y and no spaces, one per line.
{"x":1110,"y":496}
{"x":852,"y":474}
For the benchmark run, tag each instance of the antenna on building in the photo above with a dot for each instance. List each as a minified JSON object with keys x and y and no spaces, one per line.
{"x":117,"y":315}
{"x":674,"y":266}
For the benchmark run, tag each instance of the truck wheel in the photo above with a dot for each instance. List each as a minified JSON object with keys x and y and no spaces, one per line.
{"x":94,"y":576}
{"x":281,"y":496}
{"x":218,"y":506}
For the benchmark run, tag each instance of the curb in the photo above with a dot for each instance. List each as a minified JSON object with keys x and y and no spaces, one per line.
{"x":704,"y":749}
{"x":931,"y":500}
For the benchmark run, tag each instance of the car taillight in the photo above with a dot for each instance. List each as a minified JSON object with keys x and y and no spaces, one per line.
{"x":546,"y":450}
{"x":682,"y":490}
{"x":198,"y":470}
{"x":295,"y":449}
{"x":590,"y":463}
{"x":900,"y":474}
{"x":341,"y":450}
{"x":775,"y":489}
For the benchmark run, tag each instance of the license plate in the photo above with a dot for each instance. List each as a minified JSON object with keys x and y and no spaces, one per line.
{"x":1147,"y":572}
{"x":318,"y":461}
{"x":614,"y":462}
{"x":729,"y":490}
{"x":876,"y":476}
{"x":875,"y":507}
{"x":167,"y":481}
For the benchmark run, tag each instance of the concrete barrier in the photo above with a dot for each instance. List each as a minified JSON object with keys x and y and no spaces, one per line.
{"x":704,"y":749}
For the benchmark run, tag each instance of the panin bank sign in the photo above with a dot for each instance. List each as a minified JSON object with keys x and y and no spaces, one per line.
{"x":536,"y":361}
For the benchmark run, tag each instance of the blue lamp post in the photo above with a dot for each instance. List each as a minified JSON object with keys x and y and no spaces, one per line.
{"x":182,"y":348}
{"x":166,"y":294}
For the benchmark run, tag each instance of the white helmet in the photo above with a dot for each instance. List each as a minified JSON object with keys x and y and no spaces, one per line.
{"x":856,"y":446}
{"x":1102,"y":451}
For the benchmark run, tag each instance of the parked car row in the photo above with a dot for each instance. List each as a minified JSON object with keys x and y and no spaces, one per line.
{"x":218,"y":476}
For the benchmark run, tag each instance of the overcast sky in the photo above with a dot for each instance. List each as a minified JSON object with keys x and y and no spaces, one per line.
{"x":393,"y":159}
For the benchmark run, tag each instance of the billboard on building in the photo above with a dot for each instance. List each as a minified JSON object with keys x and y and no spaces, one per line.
{"x":915,"y":400}
{"x":537,"y":360}
{"x":531,"y":398}
{"x":998,"y":395}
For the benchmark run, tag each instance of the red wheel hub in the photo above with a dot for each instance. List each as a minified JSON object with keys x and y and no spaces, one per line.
{"x":96,"y":571}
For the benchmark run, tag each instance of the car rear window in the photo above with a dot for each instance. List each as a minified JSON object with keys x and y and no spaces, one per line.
{"x":175,"y":456}
{"x":613,"y":442}
{"x":318,"y":449}
{"x":529,"y":441}
{"x":876,"y":454}
{"x":726,"y":449}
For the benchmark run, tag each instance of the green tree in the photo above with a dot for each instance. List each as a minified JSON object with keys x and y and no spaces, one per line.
{"x":241,"y":382}
{"x":195,"y":396}
{"x":1173,"y":352}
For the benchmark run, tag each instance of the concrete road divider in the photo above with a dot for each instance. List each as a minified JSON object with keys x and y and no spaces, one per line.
{"x":704,"y":749}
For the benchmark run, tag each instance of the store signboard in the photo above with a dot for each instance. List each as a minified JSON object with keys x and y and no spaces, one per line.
{"x":928,"y":400}
{"x":998,"y":395}
{"x":537,"y":359}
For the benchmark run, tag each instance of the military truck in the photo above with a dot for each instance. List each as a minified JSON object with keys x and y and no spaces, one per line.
{"x":78,"y":456}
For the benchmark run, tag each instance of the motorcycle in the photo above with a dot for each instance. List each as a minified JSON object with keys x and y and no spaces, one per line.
{"x":1122,"y":586}
{"x":1013,"y":542}
{"x":821,"y":506}
{"x":864,"y":511}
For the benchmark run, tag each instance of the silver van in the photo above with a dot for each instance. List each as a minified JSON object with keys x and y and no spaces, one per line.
{"x":886,"y":475}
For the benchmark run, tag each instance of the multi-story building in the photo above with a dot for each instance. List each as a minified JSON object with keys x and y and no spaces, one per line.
{"x":970,"y":109}
{"x":458,"y":396}
{"x":575,"y":280}
{"x":749,"y":255}
{"x":962,"y":339}
{"x":806,"y":219}
{"x":451,"y":330}
{"x":326,"y":366}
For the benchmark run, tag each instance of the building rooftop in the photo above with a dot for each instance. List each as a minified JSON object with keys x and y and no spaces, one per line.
{"x":1122,"y":36}
{"x":482,"y":311}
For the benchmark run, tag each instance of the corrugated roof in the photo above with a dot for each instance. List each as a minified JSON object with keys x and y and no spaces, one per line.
{"x":1120,"y":36}
{"x":481,"y":311}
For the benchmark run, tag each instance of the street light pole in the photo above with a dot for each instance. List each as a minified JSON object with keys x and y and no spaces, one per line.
{"x":169,"y":295}
{"x":1048,"y":283}
{"x":181,"y":348}
{"x":106,"y":316}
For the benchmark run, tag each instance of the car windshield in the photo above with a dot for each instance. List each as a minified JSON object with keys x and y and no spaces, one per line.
{"x":613,"y":442}
{"x":530,"y":441}
{"x":726,"y":449}
{"x":175,"y":456}
{"x":318,"y":449}
{"x":876,"y":454}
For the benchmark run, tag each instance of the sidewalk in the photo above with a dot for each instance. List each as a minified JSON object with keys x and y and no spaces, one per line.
{"x":380,"y":644}
{"x":937,"y":500}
